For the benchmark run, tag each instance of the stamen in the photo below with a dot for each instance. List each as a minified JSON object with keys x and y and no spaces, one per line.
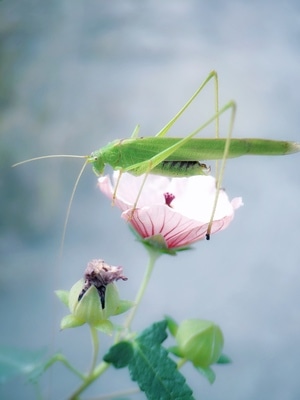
{"x":169,"y":197}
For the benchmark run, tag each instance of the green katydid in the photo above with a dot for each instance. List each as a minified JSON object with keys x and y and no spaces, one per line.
{"x":177,"y":157}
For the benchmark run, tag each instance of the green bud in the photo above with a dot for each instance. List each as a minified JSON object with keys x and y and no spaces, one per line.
{"x":200,"y":341}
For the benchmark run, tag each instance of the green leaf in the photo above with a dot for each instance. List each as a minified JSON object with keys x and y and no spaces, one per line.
{"x":105,"y":326}
{"x":120,"y":354}
{"x":176,"y":351}
{"x":150,"y":366}
{"x":157,"y":243}
{"x":224,"y":359}
{"x":155,"y":334}
{"x":172,"y":325}
{"x":70,"y":321}
{"x":207,"y":372}
{"x":63,"y":296}
{"x":14,"y":361}
{"x":123,"y":306}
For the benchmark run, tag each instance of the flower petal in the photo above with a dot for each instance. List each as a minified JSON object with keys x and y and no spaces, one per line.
{"x":177,"y":230}
{"x":181,"y":222}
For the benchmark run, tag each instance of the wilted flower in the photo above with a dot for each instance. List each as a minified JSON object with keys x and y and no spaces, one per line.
{"x":177,"y":210}
{"x":100,"y":274}
{"x":95,"y":299}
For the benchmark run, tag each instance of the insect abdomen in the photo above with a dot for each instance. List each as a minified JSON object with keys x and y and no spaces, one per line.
{"x":180,"y":168}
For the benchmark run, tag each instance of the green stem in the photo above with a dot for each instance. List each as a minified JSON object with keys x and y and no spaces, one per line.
{"x":95,"y":341}
{"x":153,"y":256}
{"x":94,"y":372}
{"x":61,"y":358}
{"x":99,"y":370}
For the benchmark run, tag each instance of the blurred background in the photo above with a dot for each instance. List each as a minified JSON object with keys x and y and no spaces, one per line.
{"x":75,"y":75}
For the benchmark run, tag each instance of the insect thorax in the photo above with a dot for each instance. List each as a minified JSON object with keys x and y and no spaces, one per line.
{"x":180,"y":168}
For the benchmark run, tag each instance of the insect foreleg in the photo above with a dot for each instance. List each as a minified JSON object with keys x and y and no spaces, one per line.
{"x":116,"y":187}
{"x":134,"y":135}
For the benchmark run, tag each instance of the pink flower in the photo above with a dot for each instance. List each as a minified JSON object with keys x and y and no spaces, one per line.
{"x":178,"y":209}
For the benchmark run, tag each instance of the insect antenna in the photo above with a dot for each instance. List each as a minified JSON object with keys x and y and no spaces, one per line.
{"x":74,"y":188}
{"x":49,"y":156}
{"x":70,"y":204}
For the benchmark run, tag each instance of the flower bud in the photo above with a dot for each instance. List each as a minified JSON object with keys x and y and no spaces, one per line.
{"x":200,"y":341}
{"x":96,"y":299}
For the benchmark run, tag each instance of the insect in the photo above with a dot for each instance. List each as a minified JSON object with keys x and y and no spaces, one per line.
{"x":179,"y":157}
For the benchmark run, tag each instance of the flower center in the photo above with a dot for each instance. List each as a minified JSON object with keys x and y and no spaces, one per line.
{"x":169,"y":197}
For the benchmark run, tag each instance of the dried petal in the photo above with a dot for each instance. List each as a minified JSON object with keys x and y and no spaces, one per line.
{"x":100,"y":274}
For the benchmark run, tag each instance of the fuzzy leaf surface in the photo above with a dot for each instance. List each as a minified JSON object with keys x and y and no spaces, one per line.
{"x":150,"y":366}
{"x":120,"y":354}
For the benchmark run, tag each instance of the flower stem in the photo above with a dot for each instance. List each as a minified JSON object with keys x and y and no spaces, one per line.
{"x":95,"y":341}
{"x":99,"y":370}
{"x":61,"y":358}
{"x":153,"y":256}
{"x":94,"y":372}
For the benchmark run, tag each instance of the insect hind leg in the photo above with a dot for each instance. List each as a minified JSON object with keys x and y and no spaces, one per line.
{"x":220,"y":171}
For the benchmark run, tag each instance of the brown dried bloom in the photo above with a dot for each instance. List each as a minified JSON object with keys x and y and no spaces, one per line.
{"x":100,"y":274}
